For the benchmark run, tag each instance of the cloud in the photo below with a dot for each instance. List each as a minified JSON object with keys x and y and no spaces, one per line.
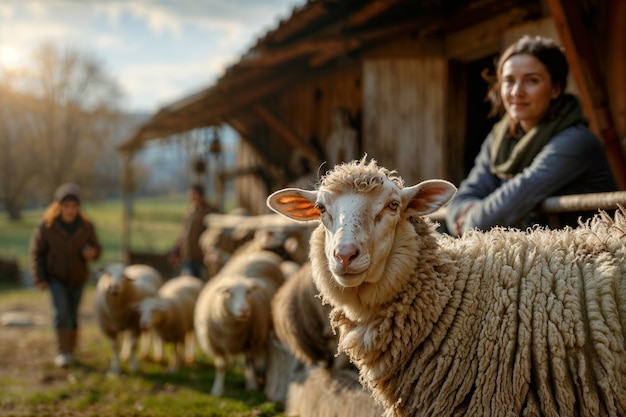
{"x":158,"y":50}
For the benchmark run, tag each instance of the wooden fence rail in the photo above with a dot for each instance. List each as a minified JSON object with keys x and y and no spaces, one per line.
{"x":568,"y":203}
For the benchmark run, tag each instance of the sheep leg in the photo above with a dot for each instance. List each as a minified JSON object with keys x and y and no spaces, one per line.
{"x":176,"y":355}
{"x":190,"y":348}
{"x":133,"y":365}
{"x":250,"y":374}
{"x":220,"y":375}
{"x":114,"y":368}
{"x":125,"y":350}
{"x":146,"y":339}
{"x":157,"y":344}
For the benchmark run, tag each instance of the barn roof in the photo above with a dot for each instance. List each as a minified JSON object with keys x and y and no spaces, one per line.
{"x":314,"y":36}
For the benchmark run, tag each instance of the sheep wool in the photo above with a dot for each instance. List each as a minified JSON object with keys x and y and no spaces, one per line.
{"x":498,"y":323}
{"x":233,"y":313}
{"x":119,"y":288}
{"x":301,"y":321}
{"x":329,"y":392}
{"x":170,"y":314}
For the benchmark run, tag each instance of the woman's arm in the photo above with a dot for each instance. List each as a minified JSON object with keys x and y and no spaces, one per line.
{"x":560,"y":162}
{"x":37,"y":255}
{"x":479,"y":183}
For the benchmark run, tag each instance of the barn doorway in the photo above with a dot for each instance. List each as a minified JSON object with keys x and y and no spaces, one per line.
{"x":477,"y":123}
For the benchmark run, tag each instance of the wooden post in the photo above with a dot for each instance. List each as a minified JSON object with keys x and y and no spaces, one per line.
{"x":127,"y":195}
{"x":584,"y":68}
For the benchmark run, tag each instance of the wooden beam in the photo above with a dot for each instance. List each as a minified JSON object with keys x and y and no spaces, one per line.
{"x":285,"y":132}
{"x":483,"y":37}
{"x":372,"y":9}
{"x":566,"y":204}
{"x":298,"y":21}
{"x":583,"y":64}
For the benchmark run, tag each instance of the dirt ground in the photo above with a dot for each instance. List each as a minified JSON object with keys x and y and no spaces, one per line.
{"x":27,"y":345}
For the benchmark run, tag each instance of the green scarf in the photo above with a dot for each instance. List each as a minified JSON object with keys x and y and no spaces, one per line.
{"x":509,"y":156}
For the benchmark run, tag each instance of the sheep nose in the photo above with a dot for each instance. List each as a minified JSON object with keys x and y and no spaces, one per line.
{"x":244,"y":311}
{"x":346,"y":253}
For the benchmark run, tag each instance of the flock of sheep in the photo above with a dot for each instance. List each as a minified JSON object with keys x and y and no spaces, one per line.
{"x":375,"y":313}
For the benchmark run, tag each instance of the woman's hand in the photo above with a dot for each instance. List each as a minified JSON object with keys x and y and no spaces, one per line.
{"x":459,"y":222}
{"x":89,"y":252}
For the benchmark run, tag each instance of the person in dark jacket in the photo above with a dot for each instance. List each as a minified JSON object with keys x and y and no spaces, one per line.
{"x":187,"y":248}
{"x":60,"y":247}
{"x":541,"y":147}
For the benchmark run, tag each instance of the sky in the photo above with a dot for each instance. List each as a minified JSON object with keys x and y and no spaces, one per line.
{"x":159,"y":51}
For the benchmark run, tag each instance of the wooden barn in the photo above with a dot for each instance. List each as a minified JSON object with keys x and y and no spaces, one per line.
{"x":408,"y":74}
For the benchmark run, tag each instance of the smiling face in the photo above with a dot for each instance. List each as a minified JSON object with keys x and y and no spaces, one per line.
{"x":69,"y":210}
{"x":527,"y":89}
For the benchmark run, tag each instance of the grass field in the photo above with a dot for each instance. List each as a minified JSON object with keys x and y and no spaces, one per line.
{"x":30,"y":385}
{"x":155,"y":226}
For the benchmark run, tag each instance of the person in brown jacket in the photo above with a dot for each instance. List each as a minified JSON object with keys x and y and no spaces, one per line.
{"x":187,"y":248}
{"x":60,"y":247}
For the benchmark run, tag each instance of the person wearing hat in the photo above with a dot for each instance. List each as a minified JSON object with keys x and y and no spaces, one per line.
{"x":60,"y":247}
{"x":187,"y":248}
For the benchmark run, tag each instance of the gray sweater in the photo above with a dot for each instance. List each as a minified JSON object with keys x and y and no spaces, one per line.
{"x":572,"y":162}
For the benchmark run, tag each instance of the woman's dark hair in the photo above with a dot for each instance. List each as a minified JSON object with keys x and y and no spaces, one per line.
{"x":547,"y":52}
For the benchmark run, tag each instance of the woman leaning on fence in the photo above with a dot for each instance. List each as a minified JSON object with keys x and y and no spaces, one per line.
{"x":540,"y":148}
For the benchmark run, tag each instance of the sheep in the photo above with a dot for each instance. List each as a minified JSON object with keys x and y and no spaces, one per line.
{"x":118,"y":288}
{"x":233,"y":316}
{"x":229,"y":235}
{"x":301,"y":321}
{"x":324,"y":392}
{"x":170,"y":313}
{"x":504,"y":322}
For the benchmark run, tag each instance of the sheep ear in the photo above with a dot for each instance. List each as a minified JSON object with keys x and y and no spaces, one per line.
{"x":428,"y":196}
{"x":256,"y":284}
{"x":295,"y":203}
{"x":160,"y":306}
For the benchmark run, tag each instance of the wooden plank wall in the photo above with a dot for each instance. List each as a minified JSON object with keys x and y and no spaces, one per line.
{"x":250,"y":191}
{"x":305,"y":109}
{"x":307,"y":106}
{"x":404,"y":115}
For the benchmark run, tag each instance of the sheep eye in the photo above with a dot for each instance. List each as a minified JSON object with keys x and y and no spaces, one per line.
{"x":320,"y":207}
{"x":393,"y":205}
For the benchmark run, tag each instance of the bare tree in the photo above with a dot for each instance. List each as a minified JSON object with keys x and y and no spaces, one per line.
{"x":17,"y":144}
{"x":78,"y":107}
{"x":64,"y":123}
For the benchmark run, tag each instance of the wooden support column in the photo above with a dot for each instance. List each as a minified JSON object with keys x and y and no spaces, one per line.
{"x":128,"y":188}
{"x":285,"y":132}
{"x":583,"y":65}
{"x":616,"y":67}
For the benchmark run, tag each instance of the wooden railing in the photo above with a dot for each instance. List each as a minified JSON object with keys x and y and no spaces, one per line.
{"x":567,"y":204}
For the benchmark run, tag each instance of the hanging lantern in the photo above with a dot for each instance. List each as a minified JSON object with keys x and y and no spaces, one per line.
{"x":215,"y":147}
{"x":199,"y":165}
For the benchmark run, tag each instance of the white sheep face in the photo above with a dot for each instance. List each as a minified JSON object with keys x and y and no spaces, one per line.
{"x":114,"y":277}
{"x":357,"y":232}
{"x":236,"y":293}
{"x":360,"y":207}
{"x":150,"y":311}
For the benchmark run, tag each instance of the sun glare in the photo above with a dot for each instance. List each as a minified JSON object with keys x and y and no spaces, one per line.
{"x":10,"y":58}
